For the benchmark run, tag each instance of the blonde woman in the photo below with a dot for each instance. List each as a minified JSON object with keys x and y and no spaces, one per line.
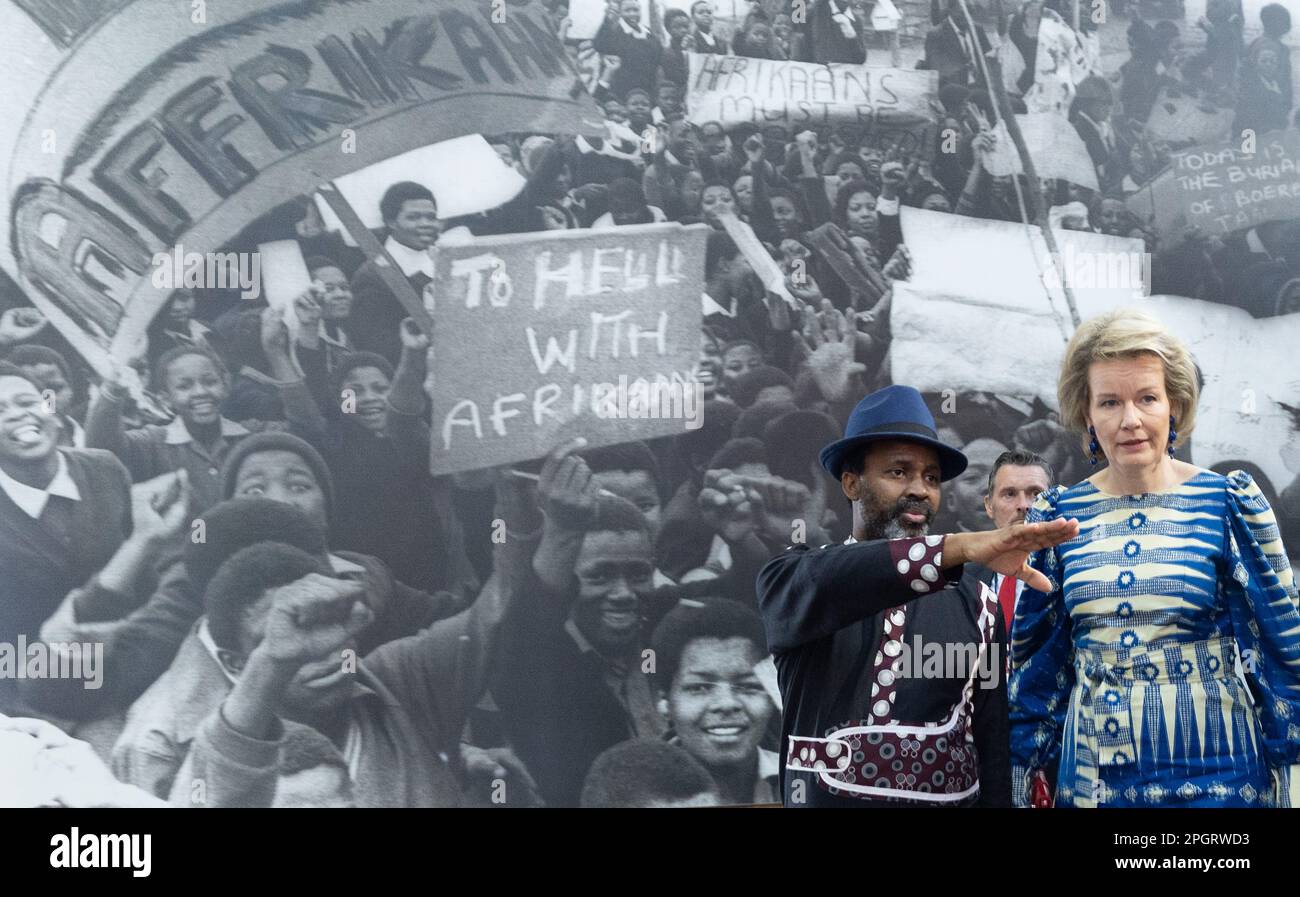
{"x":1164,"y":667}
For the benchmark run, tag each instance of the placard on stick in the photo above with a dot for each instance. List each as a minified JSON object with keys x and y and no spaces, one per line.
{"x":543,"y":336}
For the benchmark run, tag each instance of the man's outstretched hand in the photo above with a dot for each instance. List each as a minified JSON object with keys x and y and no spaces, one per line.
{"x":1007,"y":550}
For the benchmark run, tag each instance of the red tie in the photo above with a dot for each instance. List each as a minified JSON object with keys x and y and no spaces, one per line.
{"x":1007,"y":598}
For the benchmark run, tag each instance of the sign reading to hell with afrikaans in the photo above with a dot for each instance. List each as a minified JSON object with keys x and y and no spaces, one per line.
{"x":134,"y":129}
{"x":541,"y":337}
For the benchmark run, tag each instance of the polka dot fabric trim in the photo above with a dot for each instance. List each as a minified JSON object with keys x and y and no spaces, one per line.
{"x":919,"y":563}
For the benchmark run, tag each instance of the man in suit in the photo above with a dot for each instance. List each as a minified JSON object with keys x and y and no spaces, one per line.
{"x":888,"y":590}
{"x":1093,"y":102}
{"x":952,"y":50}
{"x":705,"y":40}
{"x":411,"y":217}
{"x":1017,"y":477}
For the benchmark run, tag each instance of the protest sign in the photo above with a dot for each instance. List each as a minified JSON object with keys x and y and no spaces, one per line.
{"x":735,"y":90}
{"x":464,"y":174}
{"x":139,"y":127}
{"x":1180,"y":116}
{"x":941,"y":338}
{"x":765,"y":267}
{"x":1055,"y":146}
{"x":284,"y":278}
{"x":1220,"y":189}
{"x":543,"y":336}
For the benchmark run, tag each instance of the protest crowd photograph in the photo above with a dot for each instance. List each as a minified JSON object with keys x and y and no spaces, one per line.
{"x":650,"y":403}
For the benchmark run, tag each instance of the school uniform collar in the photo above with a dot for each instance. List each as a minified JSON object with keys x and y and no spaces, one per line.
{"x":707,"y":37}
{"x":410,"y":261}
{"x":31,"y":500}
{"x":640,"y":32}
{"x":176,"y":434}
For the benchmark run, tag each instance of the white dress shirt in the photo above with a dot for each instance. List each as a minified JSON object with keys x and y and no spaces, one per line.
{"x":33,"y":500}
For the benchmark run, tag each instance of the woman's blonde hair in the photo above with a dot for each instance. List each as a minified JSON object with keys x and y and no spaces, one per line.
{"x":1126,"y":333}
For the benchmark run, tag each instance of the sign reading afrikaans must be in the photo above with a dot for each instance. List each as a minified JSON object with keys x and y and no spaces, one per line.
{"x":886,"y":104}
{"x":134,"y":128}
{"x":1221,"y":189}
{"x":541,"y":337}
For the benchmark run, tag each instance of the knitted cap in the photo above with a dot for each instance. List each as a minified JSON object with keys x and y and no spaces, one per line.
{"x":282,"y":442}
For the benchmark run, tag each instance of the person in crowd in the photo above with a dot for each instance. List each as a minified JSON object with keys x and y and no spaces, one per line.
{"x":64,"y":513}
{"x":704,"y":38}
{"x":646,"y":773}
{"x":410,"y":216}
{"x":828,"y":610}
{"x":1174,"y":571}
{"x":193,"y":383}
{"x":329,"y":336}
{"x":52,"y":374}
{"x":1023,"y":34}
{"x":953,"y":50}
{"x":1266,"y":96}
{"x":675,"y":66}
{"x":1091,"y":116}
{"x":176,"y":326}
{"x":623,"y":34}
{"x":711,"y":694}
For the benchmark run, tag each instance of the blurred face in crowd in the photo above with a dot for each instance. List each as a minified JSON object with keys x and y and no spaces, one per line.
{"x":1113,"y":218}
{"x":180,"y":308}
{"x":759,"y":36}
{"x":368,"y":387}
{"x":678,"y":28}
{"x":861,"y":213}
{"x":717,"y":705}
{"x":638,"y":110}
{"x":667,"y":96}
{"x":744,"y":192}
{"x":1129,"y":409}
{"x":702,"y":16}
{"x":49,"y":380}
{"x":936,"y":202}
{"x":416,"y":224}
{"x":321,"y":786}
{"x":782,"y":28}
{"x":29,"y":430}
{"x":738,"y":361}
{"x":969,"y":488}
{"x":630,"y":10}
{"x":320,"y":686}
{"x":716,"y":200}
{"x":850,"y":170}
{"x":338,"y":293}
{"x":195,"y":389}
{"x":693,"y":190}
{"x":616,"y":111}
{"x":285,"y":477}
{"x":638,"y":487}
{"x":786,"y":215}
{"x":1014,"y":490}
{"x":896,"y":494}
{"x":708,"y":371}
{"x":613,"y":567}
{"x":714,"y":138}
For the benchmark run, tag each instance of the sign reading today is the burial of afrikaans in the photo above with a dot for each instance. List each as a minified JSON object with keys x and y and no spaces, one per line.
{"x":135,"y":128}
{"x":1221,"y":189}
{"x":736,"y":90}
{"x":541,"y":337}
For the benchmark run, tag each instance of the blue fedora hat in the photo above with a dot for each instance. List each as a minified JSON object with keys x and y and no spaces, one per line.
{"x":895,"y":412}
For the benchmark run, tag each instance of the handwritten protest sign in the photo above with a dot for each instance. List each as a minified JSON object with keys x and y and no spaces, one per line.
{"x":1220,"y":189}
{"x":765,"y":267}
{"x":937,"y":318}
{"x":736,"y":90}
{"x":543,"y":336}
{"x":136,"y":128}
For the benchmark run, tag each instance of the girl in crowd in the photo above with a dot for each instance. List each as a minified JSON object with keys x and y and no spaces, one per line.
{"x":1164,"y":666}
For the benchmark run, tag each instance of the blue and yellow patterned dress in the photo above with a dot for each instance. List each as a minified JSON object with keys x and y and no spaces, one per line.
{"x":1164,"y":668}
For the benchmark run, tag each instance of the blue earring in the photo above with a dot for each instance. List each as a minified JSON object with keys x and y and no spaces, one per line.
{"x":1093,"y":447}
{"x":1173,"y":434}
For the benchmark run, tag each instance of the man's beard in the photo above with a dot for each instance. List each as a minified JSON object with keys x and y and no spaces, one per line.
{"x":886,"y":522}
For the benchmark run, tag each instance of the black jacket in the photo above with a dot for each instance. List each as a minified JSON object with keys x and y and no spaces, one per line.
{"x":822,"y":609}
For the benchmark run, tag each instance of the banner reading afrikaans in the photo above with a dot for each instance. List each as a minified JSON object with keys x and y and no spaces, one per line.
{"x":134,"y":126}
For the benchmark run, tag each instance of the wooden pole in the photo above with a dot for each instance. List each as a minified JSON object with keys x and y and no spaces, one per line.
{"x":1037,"y":206}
